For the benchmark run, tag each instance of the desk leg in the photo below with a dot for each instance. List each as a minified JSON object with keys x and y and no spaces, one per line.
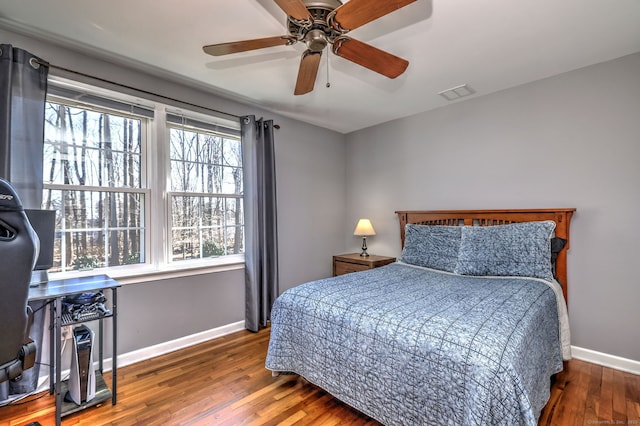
{"x":56,"y":345}
{"x":100,"y":345}
{"x":52,"y":348}
{"x":114,"y":356}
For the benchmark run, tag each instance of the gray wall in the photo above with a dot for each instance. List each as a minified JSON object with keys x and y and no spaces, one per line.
{"x":572,"y":140}
{"x":310,"y":165}
{"x":158,"y":311}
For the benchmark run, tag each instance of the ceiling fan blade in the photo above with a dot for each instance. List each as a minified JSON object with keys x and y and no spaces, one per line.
{"x":370,"y":57}
{"x":295,"y":9}
{"x":308,"y":71}
{"x":356,"y":13}
{"x":245,"y":45}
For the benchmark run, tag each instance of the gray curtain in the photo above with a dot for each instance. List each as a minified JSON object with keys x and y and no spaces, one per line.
{"x":261,"y":234}
{"x":23,"y":89}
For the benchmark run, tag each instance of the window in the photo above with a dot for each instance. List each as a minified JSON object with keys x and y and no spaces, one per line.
{"x":93,"y":179}
{"x":105,"y":176}
{"x":206,"y":190}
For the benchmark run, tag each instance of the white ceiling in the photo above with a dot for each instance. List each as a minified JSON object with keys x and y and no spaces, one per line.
{"x":490,"y":45}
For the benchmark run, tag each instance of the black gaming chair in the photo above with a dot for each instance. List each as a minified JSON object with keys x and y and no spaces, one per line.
{"x":19,"y":246}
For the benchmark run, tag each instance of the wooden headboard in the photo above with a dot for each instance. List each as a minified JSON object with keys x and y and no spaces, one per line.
{"x":562,"y":218}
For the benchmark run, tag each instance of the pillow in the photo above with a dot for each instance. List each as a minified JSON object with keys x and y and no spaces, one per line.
{"x":519,"y":249}
{"x":430,"y":246}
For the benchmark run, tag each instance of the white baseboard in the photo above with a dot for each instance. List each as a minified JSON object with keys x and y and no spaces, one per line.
{"x":595,"y":357}
{"x":600,"y":358}
{"x":156,"y":350}
{"x":174,"y":345}
{"x":607,"y":360}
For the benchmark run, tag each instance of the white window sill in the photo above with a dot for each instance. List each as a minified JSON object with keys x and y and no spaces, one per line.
{"x":144,"y":273}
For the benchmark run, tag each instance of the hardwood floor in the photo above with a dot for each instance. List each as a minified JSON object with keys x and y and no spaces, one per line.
{"x":224,"y":382}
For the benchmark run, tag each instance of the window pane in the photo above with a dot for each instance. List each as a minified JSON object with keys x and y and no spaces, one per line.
{"x":206,"y":227}
{"x":96,"y":229}
{"x":84,"y":147}
{"x":202,"y":162}
{"x":232,"y":153}
{"x":205,"y":163}
{"x":231,"y":180}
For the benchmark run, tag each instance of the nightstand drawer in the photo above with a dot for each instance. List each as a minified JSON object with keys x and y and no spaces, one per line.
{"x":346,"y":268}
{"x":353,"y":262}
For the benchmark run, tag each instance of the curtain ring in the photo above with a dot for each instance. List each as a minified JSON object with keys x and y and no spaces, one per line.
{"x":34,"y":63}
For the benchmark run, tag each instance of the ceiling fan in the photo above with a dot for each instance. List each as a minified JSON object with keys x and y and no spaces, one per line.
{"x":326,"y":22}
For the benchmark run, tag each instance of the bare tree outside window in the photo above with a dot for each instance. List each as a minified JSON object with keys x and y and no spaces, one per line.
{"x":206,"y":194}
{"x":92,"y":172}
{"x":115,"y":205}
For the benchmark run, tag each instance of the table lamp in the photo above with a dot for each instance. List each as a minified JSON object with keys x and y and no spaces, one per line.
{"x":363,"y":229}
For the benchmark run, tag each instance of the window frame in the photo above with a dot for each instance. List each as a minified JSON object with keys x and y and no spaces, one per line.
{"x":190,"y":122}
{"x":156,"y":187}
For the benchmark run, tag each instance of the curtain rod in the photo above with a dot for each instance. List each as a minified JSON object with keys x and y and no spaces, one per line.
{"x":47,"y":64}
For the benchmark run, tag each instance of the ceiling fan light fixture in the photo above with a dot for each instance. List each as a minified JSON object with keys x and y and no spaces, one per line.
{"x":316,"y":40}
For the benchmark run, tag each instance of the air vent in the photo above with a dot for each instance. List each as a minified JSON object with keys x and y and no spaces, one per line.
{"x":457,"y":92}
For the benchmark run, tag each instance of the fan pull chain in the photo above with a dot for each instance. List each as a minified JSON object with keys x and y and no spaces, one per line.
{"x":328,"y":82}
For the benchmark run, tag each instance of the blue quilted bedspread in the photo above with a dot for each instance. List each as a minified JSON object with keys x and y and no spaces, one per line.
{"x":411,"y":346}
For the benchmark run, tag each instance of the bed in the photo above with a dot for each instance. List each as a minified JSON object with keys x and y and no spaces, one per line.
{"x":467,"y":328}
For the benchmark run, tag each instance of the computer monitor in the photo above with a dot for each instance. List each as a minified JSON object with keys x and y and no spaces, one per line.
{"x":43,"y":223}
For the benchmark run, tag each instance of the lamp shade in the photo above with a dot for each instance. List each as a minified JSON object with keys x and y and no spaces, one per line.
{"x":364,"y":228}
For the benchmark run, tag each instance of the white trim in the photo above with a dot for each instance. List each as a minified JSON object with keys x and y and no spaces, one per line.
{"x":174,"y":345}
{"x":156,"y":350}
{"x":135,"y":274}
{"x":595,"y":357}
{"x":177,"y":272}
{"x":607,"y":360}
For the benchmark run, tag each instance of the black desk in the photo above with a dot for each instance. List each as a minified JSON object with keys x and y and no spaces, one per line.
{"x":55,"y":291}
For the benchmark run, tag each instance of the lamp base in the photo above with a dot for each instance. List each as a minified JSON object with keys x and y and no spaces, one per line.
{"x":364,"y":247}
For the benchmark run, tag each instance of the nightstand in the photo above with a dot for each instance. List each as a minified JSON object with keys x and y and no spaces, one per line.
{"x":353,"y":262}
